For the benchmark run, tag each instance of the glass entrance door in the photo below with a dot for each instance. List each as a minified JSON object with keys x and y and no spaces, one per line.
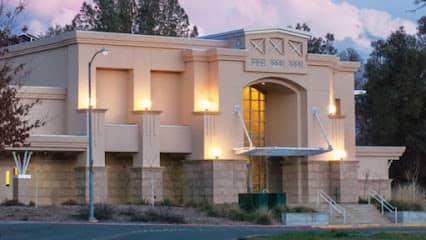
{"x":254,"y":118}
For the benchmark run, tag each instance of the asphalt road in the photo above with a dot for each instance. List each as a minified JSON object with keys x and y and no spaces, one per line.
{"x":13,"y":231}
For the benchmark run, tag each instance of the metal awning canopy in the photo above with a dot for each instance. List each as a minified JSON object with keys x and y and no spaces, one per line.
{"x":280,"y":151}
{"x":276,"y":151}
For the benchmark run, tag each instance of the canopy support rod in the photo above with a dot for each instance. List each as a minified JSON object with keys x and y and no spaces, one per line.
{"x":324,"y":133}
{"x":22,"y":164}
{"x":237,"y":109}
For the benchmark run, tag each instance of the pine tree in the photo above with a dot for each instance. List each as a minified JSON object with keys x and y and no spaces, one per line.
{"x":14,"y":125}
{"x":150,"y":17}
{"x":319,"y":45}
{"x":394,"y":110}
{"x":106,"y":16}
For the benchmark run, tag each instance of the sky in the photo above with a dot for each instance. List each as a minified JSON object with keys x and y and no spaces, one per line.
{"x":355,"y":23}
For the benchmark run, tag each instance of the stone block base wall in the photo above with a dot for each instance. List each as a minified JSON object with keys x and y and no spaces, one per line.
{"x":344,"y":178}
{"x":302,"y":179}
{"x":118,"y":172}
{"x":173,"y":179}
{"x":214,"y":181}
{"x":381,"y":186}
{"x":6,"y":164}
{"x":53,"y":178}
{"x":294,"y":179}
{"x":99,"y":184}
{"x":127,"y":184}
{"x":22,"y":191}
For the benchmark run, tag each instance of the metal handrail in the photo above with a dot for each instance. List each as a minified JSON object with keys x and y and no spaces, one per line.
{"x":384,"y":205}
{"x":332,"y":205}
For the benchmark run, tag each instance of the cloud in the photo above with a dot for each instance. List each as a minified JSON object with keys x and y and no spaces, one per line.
{"x":51,"y":13}
{"x":37,"y":26}
{"x":345,"y":20}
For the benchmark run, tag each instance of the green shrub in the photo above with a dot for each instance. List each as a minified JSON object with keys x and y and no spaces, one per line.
{"x":70,"y":203}
{"x":406,"y":206}
{"x":409,"y":193}
{"x":262,"y":216}
{"x":167,"y":203}
{"x":235,"y":214}
{"x":12,"y":202}
{"x":102,"y":212}
{"x":128,"y":211}
{"x":263,"y":219}
{"x":143,"y":202}
{"x":210,"y":210}
{"x":277,"y":211}
{"x":163,"y":215}
{"x":339,"y":234}
{"x":362,"y":201}
{"x":301,"y":209}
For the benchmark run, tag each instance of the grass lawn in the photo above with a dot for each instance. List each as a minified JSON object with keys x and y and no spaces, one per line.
{"x":341,"y":235}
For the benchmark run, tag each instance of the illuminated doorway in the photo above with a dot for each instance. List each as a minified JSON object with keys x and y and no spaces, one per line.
{"x":272,"y":114}
{"x":254,"y":119}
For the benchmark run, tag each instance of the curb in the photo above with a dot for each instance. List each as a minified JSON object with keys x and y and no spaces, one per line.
{"x":359,"y":226}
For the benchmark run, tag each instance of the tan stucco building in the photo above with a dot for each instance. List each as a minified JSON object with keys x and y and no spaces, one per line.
{"x":171,"y":113}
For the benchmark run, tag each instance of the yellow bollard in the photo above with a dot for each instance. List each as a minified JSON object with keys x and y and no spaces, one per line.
{"x":7,"y":178}
{"x":15,"y":171}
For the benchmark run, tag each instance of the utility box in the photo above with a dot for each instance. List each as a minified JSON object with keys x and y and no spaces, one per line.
{"x":253,"y":201}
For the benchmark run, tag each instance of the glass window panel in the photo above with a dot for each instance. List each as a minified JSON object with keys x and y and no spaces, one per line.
{"x":262,"y":106}
{"x":254,"y":94}
{"x":254,"y":105}
{"x":254,"y":115}
{"x":246,"y":106}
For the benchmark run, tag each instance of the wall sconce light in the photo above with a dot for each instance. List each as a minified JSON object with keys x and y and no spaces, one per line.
{"x":332,"y":109}
{"x":7,"y":178}
{"x":145,"y":104}
{"x":15,"y":171}
{"x":86,"y":103}
{"x":216,"y":152}
{"x":206,"y":105}
{"x":340,"y":154}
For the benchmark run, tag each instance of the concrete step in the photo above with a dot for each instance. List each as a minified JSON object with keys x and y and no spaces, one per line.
{"x":356,"y":214}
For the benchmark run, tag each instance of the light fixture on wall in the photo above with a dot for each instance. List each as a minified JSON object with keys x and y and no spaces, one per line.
{"x":7,"y":178}
{"x":332,"y":109}
{"x":92,"y":103}
{"x":206,"y":105}
{"x":145,"y":104}
{"x":340,"y":154}
{"x":216,"y":152}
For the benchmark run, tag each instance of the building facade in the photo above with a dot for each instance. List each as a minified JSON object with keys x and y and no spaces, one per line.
{"x":192,"y":120}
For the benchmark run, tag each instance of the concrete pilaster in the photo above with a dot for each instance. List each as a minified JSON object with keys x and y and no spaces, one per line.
{"x":295,"y":179}
{"x":214,"y":181}
{"x":22,"y":190}
{"x":149,"y":139}
{"x":344,"y":179}
{"x":147,"y":175}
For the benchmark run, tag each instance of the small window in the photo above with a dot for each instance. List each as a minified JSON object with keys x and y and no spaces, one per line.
{"x":338,"y":107}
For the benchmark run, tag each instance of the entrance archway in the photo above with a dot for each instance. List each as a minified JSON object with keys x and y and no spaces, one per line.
{"x":273,"y":113}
